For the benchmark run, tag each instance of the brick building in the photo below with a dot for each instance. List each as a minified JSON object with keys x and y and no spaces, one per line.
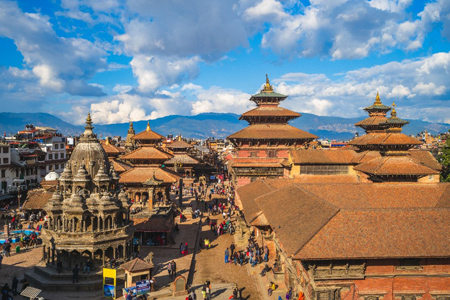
{"x":262,"y":148}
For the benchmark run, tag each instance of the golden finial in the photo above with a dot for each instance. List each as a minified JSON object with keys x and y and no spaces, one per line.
{"x":377,"y":99}
{"x":107,"y":141}
{"x":179,"y":137}
{"x":131,"y":125}
{"x":148,"y":126}
{"x":393,"y":112}
{"x":267,"y":87}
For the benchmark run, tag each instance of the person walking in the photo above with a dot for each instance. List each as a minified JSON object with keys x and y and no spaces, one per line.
{"x":1,"y":259}
{"x":204,"y":292}
{"x":75,"y":274}
{"x":227,"y":255}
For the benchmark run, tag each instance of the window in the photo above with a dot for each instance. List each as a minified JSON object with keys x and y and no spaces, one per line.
{"x":56,"y":155}
{"x":3,"y":173}
{"x":431,"y":177}
{"x":5,"y":160}
{"x":409,"y":264}
{"x":50,"y":156}
{"x":6,"y":150}
{"x":408,"y":297}
{"x":272,"y":153}
{"x":253,"y":154}
{"x":17,"y":172}
{"x":62,"y":155}
{"x":56,"y":146}
{"x":62,"y":166}
{"x":323,"y":169}
{"x":329,"y":295}
{"x":62,"y":146}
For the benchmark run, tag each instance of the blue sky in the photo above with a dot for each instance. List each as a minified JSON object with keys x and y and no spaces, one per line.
{"x":144,"y":59}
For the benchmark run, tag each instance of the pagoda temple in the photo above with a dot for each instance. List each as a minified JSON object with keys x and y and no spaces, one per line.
{"x":147,"y":181}
{"x":386,"y":154}
{"x":262,"y":148}
{"x":182,"y":162}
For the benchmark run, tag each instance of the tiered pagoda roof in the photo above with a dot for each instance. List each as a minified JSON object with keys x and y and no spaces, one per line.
{"x":387,"y":151}
{"x":268,"y":121}
{"x":147,"y":154}
{"x":147,"y":136}
{"x":377,"y":116}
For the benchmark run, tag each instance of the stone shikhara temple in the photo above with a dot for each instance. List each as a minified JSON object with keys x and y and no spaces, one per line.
{"x":88,"y":214}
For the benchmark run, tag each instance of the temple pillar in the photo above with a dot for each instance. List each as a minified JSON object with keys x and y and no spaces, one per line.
{"x":92,"y":224}
{"x":124,"y":251}
{"x":99,"y":220}
{"x":151,"y":198}
{"x":103,"y":257}
{"x":114,"y":253}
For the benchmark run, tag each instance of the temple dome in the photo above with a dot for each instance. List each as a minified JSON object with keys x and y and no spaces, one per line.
{"x":89,"y":153}
{"x":51,"y":176}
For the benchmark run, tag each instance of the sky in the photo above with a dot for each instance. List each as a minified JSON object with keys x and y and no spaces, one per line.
{"x":136,"y":60}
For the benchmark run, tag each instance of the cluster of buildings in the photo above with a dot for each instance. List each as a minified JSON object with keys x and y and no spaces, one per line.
{"x":366,"y":221}
{"x":29,"y":156}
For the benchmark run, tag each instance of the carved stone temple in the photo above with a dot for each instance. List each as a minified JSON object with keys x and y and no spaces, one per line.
{"x":88,"y":215}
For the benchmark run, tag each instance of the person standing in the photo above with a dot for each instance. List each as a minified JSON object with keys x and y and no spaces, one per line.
{"x":1,"y":259}
{"x":169,"y":269}
{"x":232,"y":248}
{"x":75,"y":274}
{"x":227,"y":255}
{"x":14,"y":284}
{"x":174,"y":269}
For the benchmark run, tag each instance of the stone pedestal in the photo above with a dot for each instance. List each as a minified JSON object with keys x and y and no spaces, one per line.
{"x":179,"y":286}
{"x":6,"y":228}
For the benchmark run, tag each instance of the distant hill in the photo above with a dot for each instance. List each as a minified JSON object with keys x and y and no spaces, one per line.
{"x":206,"y":125}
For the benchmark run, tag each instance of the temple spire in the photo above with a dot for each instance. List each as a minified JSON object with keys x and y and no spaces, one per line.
{"x":148,"y":126}
{"x":88,"y":128}
{"x":378,"y":100}
{"x":393,"y":112}
{"x":131,"y":129}
{"x":267,"y":87}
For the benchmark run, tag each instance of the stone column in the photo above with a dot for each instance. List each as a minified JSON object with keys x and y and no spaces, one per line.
{"x":151,"y":198}
{"x":124,"y":252}
{"x":103,"y":257}
{"x":92,"y":224}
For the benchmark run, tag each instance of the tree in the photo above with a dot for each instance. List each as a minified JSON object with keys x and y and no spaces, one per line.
{"x":444,"y":159}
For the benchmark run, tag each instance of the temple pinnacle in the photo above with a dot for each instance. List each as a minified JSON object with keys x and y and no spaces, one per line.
{"x":377,"y":99}
{"x":148,"y":126}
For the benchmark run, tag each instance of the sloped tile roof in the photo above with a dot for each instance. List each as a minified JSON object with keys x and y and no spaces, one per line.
{"x":120,"y":166}
{"x":375,"y":120}
{"x":268,"y":111}
{"x":142,"y":174}
{"x":147,"y":153}
{"x":147,"y":135}
{"x":112,"y":149}
{"x":385,"y":138}
{"x":136,"y":265}
{"x":179,"y":144}
{"x":322,"y":156}
{"x":272,"y":131}
{"x":37,"y":199}
{"x":393,"y":233}
{"x":426,"y":158}
{"x":182,"y":158}
{"x":395,"y":165}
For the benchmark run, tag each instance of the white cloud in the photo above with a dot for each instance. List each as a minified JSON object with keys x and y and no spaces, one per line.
{"x":61,"y":64}
{"x":152,"y":72}
{"x":217,"y":99}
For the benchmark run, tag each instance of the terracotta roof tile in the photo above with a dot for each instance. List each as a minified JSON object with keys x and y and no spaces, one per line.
{"x":395,"y":165}
{"x":150,"y":153}
{"x":268,"y":111}
{"x":147,"y":135}
{"x":295,"y":219}
{"x":326,"y":178}
{"x":120,"y":166}
{"x":142,"y":174}
{"x":153,"y":224}
{"x":272,"y":131}
{"x":365,"y":156}
{"x":179,"y":144}
{"x":136,"y":265}
{"x":391,"y":233}
{"x":37,"y":199}
{"x":112,"y":149}
{"x":426,"y":158}
{"x":385,"y":138}
{"x":371,"y":121}
{"x":247,"y":195}
{"x":322,"y":156}
{"x":182,"y":158}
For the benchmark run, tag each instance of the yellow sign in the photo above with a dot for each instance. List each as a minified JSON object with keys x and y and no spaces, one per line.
{"x":109,"y":282}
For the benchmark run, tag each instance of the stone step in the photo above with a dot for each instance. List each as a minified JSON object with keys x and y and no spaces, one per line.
{"x":51,"y":273}
{"x":49,"y":284}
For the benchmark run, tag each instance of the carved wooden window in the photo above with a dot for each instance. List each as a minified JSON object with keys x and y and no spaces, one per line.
{"x":329,"y":295}
{"x":253,"y":154}
{"x":409,"y":264}
{"x":408,"y":297}
{"x":272,"y":153}
{"x":371,"y":298}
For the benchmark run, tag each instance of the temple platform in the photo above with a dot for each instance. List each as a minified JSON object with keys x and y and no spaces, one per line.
{"x":48,"y":279}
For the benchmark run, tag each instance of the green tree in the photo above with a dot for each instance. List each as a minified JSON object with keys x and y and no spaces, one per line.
{"x":444,"y":159}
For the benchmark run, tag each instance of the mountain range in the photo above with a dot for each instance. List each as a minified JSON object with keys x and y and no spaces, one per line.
{"x":202,"y":126}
